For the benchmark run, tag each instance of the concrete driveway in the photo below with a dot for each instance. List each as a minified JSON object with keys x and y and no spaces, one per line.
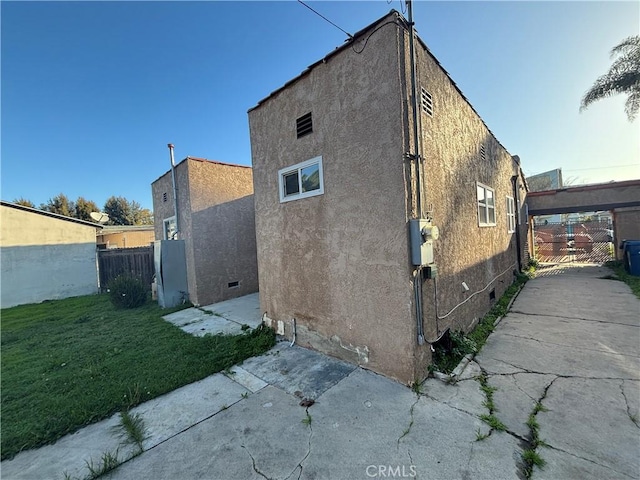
{"x":569,"y":346}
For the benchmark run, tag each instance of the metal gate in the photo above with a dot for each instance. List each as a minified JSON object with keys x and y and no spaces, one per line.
{"x":587,"y":242}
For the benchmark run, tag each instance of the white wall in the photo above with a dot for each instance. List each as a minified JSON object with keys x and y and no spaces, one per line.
{"x":44,"y":258}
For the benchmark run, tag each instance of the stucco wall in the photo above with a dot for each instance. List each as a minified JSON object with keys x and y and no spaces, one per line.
{"x":482,"y":257}
{"x":217,"y":221}
{"x":626,"y":222}
{"x":338,"y":262}
{"x":222,"y":230}
{"x":44,"y":258}
{"x":127,"y":239}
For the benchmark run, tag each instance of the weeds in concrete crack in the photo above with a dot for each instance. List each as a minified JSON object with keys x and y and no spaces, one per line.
{"x":530,"y":456}
{"x":481,"y":436}
{"x":108,"y":462}
{"x":307,"y":419}
{"x":408,"y":429}
{"x":132,"y":430}
{"x":417,"y":387}
{"x":490,"y":418}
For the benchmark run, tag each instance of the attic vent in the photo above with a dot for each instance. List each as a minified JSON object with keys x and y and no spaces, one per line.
{"x":483,"y":154}
{"x":304,"y":125}
{"x":427,"y":103}
{"x":164,"y":197}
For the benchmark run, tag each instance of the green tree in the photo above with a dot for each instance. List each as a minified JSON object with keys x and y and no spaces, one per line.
{"x":59,"y":204}
{"x":622,"y":77}
{"x":84,"y":207}
{"x":119,"y":211}
{"x":24,"y":202}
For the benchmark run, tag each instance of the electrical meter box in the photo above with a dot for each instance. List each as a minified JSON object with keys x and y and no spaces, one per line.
{"x":422,"y":233}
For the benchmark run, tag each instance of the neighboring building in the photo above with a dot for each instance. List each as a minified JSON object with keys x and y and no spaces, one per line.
{"x":336,"y":189}
{"x":126,"y":236}
{"x":45,"y":256}
{"x":626,"y":225}
{"x":217,"y":221}
{"x":551,"y":180}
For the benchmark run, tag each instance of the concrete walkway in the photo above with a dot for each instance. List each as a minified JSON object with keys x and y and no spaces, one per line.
{"x":571,"y":343}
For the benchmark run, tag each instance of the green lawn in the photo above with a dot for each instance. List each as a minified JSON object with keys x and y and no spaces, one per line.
{"x":68,"y":363}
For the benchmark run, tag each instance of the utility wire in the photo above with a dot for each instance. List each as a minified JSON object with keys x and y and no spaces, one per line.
{"x":326,"y":19}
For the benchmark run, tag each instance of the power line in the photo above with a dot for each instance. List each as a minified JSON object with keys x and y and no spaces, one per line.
{"x":326,"y":19}
{"x":600,"y":168}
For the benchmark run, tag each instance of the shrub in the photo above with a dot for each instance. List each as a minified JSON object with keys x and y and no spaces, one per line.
{"x":127,"y":291}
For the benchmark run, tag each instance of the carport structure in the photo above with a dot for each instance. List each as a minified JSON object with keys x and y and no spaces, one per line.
{"x":622,"y":199}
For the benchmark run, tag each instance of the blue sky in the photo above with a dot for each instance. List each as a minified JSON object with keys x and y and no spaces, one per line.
{"x":92,"y":92}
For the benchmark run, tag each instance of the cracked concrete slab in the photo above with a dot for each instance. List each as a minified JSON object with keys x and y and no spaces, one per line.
{"x":356,"y":424}
{"x":631,"y":392}
{"x":465,"y":395}
{"x":68,"y":455}
{"x":561,"y":465}
{"x":588,"y":418}
{"x":296,"y":369}
{"x":170,"y":414}
{"x":443,"y":445}
{"x":540,"y":357}
{"x":513,"y":403}
{"x":242,"y":310}
{"x":265,"y":430}
{"x":601,"y":336}
{"x":571,"y":293}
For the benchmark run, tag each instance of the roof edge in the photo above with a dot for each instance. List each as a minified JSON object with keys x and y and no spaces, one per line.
{"x":50,"y":214}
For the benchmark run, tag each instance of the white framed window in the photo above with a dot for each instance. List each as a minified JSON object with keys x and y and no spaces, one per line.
{"x":301,"y":180}
{"x":511,"y":215}
{"x":486,"y":206}
{"x":169,"y":228}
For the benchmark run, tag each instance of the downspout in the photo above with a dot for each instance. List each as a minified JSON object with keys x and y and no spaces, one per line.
{"x":514,"y":182}
{"x":414,"y":106}
{"x":417,"y":277}
{"x":175,"y":190}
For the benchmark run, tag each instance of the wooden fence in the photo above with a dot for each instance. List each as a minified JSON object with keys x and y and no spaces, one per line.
{"x":136,"y":261}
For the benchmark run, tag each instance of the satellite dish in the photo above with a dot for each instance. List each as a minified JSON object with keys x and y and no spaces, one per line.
{"x":100,"y":217}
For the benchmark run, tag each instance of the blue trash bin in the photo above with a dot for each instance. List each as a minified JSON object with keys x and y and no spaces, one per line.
{"x":632,"y":257}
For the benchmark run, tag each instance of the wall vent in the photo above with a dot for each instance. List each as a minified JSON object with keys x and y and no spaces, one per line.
{"x":427,"y":103}
{"x":304,"y":125}
{"x":164,"y":197}
{"x":483,"y":154}
{"x":233,"y":284}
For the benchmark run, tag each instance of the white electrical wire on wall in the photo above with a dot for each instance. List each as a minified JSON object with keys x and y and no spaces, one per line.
{"x":475,"y":293}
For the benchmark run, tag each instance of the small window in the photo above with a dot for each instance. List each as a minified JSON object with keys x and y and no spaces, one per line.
{"x":483,"y":153}
{"x":511,"y":215}
{"x":486,"y":206}
{"x":301,"y":180}
{"x":164,"y":197}
{"x":170,"y":228}
{"x":427,"y":103}
{"x":304,"y":125}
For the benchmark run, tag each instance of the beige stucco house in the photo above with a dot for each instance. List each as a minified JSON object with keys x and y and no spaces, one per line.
{"x":125,"y":236}
{"x":348,"y":256}
{"x":45,"y":256}
{"x":216,"y":221}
